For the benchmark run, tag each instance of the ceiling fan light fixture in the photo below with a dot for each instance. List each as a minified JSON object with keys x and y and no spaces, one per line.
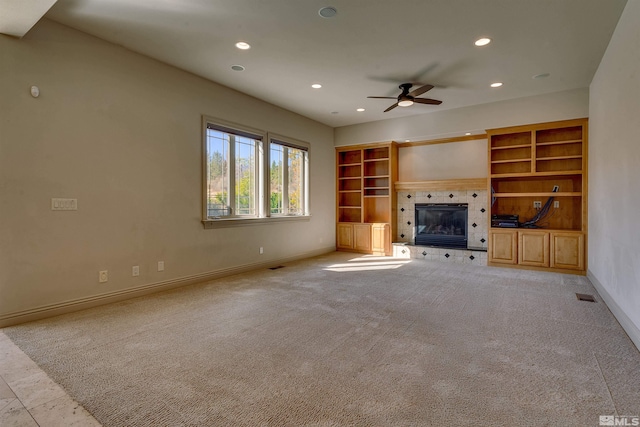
{"x":405,"y":103}
{"x":482,"y":41}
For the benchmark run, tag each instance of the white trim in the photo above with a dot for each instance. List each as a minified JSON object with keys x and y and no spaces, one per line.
{"x":78,"y":304}
{"x":239,"y":222}
{"x":629,"y":327}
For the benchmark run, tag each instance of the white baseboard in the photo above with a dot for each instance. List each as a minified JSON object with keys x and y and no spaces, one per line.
{"x":629,"y":327}
{"x":78,"y":304}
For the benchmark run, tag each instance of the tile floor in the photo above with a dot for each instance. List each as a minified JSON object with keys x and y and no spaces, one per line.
{"x":29,"y":398}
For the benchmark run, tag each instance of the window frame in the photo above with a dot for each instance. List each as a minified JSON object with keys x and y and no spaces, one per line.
{"x":263,"y":170}
{"x":288,"y":143}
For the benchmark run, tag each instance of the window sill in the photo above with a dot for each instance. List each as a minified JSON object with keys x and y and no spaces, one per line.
{"x":241,"y":222}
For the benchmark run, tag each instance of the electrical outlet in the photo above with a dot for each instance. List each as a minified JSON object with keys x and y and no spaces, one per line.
{"x":160,"y":265}
{"x":58,"y":204}
{"x":537,"y":205}
{"x":261,"y":250}
{"x":135,"y":271}
{"x":556,"y":204}
{"x":103,"y":276}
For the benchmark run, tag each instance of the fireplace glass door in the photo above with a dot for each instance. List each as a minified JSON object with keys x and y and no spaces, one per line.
{"x":442,"y":225}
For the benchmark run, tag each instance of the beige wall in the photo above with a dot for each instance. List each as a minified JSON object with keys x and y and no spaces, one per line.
{"x":465,"y":159}
{"x":614,"y":173}
{"x":122,"y":133}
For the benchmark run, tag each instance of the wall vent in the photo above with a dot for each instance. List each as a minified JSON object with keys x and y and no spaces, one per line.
{"x":585,"y":297}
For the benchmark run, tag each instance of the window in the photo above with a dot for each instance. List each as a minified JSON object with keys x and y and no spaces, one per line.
{"x":232,"y":172}
{"x":247,"y":182}
{"x":288,"y":178}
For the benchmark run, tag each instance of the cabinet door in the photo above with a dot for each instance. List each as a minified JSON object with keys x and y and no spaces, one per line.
{"x":533,"y":248}
{"x":381,"y":239}
{"x":362,"y":237}
{"x":503,"y":246}
{"x":567,"y":250}
{"x":345,"y":236}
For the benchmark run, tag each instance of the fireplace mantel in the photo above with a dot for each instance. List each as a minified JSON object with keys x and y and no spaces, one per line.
{"x":443,"y":185}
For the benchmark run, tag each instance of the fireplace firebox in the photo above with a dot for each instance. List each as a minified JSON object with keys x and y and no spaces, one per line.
{"x":438,"y":224}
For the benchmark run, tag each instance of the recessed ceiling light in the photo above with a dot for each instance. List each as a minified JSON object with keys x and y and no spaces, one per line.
{"x":243,"y":45}
{"x":316,"y":85}
{"x":334,"y":112}
{"x":496,"y":84}
{"x":360,"y":109}
{"x":407,"y":140}
{"x":468,"y":133}
{"x":541,"y":76}
{"x":482,"y":42}
{"x":237,"y":68}
{"x":328,"y":12}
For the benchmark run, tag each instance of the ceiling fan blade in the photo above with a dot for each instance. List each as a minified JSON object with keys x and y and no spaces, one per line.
{"x":420,"y":90}
{"x":427,"y":101}
{"x":382,"y":97}
{"x":391,"y":108}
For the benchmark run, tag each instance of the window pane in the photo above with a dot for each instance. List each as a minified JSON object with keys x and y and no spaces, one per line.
{"x":277,"y":178}
{"x":245,"y":176}
{"x":296,"y":181}
{"x":217,"y":173}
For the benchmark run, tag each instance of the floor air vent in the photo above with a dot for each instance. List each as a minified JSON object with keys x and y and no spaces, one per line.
{"x":276,"y":267}
{"x":585,"y":297}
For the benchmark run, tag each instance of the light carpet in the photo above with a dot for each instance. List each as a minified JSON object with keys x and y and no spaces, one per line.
{"x":342,"y":340}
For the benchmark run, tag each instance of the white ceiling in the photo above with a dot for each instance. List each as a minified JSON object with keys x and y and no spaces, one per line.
{"x":368,"y":48}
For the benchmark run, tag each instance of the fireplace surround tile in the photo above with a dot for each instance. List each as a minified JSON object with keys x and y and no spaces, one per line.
{"x":477,"y":236}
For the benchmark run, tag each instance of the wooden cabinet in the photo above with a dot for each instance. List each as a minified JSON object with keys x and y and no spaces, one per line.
{"x":353,"y":237}
{"x":362,"y":237}
{"x":567,"y":250}
{"x":560,"y":250}
{"x":503,"y":246}
{"x":365,"y":197}
{"x":344,"y":236}
{"x":533,"y":248}
{"x":381,"y":239}
{"x":539,"y":172}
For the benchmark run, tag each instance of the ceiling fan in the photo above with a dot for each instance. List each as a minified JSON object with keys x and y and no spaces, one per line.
{"x":407,"y":98}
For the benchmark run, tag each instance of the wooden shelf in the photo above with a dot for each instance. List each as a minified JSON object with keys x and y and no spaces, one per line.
{"x":538,"y":159}
{"x":543,"y":194}
{"x":534,"y":174}
{"x":495,"y":162}
{"x":571,"y":141}
{"x":366,"y":174}
{"x":525,"y":164}
{"x":511,"y":147}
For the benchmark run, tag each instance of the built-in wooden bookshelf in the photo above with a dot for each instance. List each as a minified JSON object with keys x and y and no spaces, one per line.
{"x":525,"y":164}
{"x":366,"y":199}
